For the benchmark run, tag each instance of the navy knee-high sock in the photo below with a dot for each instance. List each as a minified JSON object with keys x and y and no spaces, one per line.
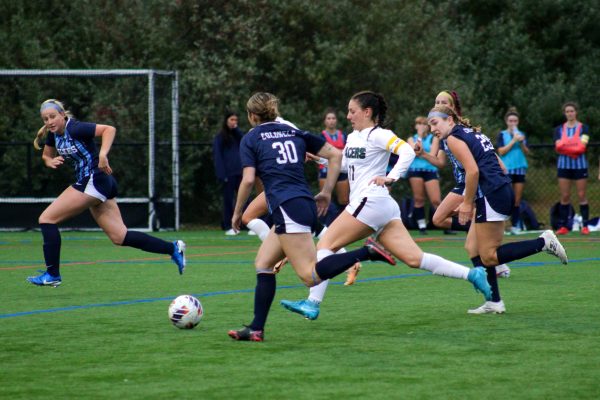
{"x":263,"y":298}
{"x":563,"y":213}
{"x":515,"y":251}
{"x":148,"y":243}
{"x":456,"y":226}
{"x":491,"y":278}
{"x":335,"y":264}
{"x":584,"y":209}
{"x":515,"y":216}
{"x":51,"y":248}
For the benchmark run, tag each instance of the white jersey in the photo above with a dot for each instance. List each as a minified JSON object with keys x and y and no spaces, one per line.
{"x":367,"y":155}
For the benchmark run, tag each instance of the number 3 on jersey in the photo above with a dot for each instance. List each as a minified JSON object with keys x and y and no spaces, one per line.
{"x":287,"y":152}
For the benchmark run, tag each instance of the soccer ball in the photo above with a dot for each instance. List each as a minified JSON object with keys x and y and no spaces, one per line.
{"x":185,"y":312}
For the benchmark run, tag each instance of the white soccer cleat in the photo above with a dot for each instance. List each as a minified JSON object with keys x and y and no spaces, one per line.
{"x":502,"y":271}
{"x":553,"y":246}
{"x":489,"y":307}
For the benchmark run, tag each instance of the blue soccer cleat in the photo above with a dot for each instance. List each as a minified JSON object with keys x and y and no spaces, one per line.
{"x":307,"y":308}
{"x":45,"y":279}
{"x":178,"y":255}
{"x":478,"y":277}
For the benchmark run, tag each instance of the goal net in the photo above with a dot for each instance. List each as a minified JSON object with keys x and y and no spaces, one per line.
{"x":141,"y":104}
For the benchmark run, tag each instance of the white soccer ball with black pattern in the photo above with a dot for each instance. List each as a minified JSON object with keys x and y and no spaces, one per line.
{"x":185,"y":312}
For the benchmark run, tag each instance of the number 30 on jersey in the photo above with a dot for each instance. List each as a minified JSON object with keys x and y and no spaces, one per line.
{"x":287,"y":152}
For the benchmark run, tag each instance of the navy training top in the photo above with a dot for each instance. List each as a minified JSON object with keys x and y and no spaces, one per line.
{"x":226,"y":156}
{"x":277,"y":151}
{"x":491,"y":175}
{"x":77,"y":145}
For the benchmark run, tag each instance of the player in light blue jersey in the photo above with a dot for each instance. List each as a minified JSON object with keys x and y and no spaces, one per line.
{"x":422,"y":175}
{"x":512,"y":148}
{"x":487,"y":191}
{"x":95,"y":189}
{"x":275,"y":152}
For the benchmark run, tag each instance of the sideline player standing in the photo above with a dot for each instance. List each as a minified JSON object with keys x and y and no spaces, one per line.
{"x":95,"y":189}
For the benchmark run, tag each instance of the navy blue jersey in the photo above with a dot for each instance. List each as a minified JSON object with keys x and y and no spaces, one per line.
{"x":491,"y":175}
{"x":77,"y":145}
{"x":277,"y":151}
{"x":457,"y":169}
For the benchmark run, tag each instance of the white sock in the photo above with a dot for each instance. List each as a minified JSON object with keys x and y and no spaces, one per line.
{"x":321,"y":254}
{"x":422,"y":224}
{"x":259,"y":227}
{"x":440,"y":266}
{"x":317,"y":293}
{"x":322,"y":232}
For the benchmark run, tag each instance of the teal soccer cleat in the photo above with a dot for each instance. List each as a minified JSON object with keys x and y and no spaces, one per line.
{"x":307,"y":308}
{"x":478,"y":277}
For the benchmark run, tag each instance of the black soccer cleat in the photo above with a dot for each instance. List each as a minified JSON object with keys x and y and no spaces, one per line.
{"x":378,"y":253}
{"x":247,"y":334}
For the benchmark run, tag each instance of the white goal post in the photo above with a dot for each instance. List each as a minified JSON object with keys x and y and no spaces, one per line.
{"x":150,"y":199}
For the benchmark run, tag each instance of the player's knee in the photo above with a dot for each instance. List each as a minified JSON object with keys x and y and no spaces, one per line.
{"x":116,"y":237}
{"x":489,"y":258}
{"x":246,"y":218}
{"x":437,"y":220}
{"x":307,"y":278}
{"x":413,"y":261}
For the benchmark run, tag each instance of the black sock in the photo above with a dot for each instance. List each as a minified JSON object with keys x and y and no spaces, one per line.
{"x":419,"y":213}
{"x":515,"y":216}
{"x":148,"y":243}
{"x":515,"y":251}
{"x":263,"y":298}
{"x":493,"y":281}
{"x":563,"y":212}
{"x":51,"y":248}
{"x":584,"y":209}
{"x":456,"y":226}
{"x":319,"y":228}
{"x":335,"y":264}
{"x":477,"y":261}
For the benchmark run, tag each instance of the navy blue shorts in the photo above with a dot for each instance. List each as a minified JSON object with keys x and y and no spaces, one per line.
{"x":495,"y":206}
{"x":297,"y":215}
{"x":98,"y":185}
{"x":573,"y":174}
{"x":425,"y":175}
{"x":517,"y":178}
{"x":323,"y":175}
{"x":459,"y":189}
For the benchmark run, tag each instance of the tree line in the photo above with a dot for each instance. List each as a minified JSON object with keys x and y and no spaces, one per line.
{"x":530,"y":54}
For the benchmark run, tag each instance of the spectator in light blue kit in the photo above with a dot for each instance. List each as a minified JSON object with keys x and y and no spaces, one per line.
{"x":422,"y":175}
{"x":228,"y":166}
{"x":512,"y":148}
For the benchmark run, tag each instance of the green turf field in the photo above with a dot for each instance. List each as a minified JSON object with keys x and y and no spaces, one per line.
{"x":396,"y":334}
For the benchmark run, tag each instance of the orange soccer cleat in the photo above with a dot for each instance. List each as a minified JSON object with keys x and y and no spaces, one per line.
{"x":352,"y":274}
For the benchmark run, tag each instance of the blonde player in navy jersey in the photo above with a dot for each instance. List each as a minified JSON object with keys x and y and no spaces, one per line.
{"x":95,"y":189}
{"x":275,"y":152}
{"x":488,"y":191}
{"x":445,"y":215}
{"x":372,"y":210}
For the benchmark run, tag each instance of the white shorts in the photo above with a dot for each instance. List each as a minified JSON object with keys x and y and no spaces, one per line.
{"x":375,"y":212}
